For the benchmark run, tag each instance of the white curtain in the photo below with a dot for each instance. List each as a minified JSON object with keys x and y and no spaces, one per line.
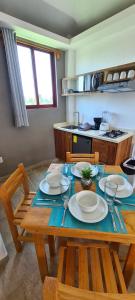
{"x":18,"y":103}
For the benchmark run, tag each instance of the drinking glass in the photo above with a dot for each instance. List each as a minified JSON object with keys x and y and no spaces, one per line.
{"x":65,"y":169}
{"x":100,"y":172}
{"x":110,"y":190}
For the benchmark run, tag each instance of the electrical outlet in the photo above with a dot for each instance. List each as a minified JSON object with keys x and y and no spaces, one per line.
{"x":1,"y":159}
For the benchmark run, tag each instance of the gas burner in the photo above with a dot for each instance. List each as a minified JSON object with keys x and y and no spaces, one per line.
{"x":114,"y":133}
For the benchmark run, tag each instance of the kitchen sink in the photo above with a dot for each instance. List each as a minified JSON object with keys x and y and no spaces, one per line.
{"x":70,"y":127}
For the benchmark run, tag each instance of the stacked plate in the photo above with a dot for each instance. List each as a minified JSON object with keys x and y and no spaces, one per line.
{"x":124,"y":189}
{"x":77,"y":168}
{"x":54,"y":184}
{"x":88,"y":207}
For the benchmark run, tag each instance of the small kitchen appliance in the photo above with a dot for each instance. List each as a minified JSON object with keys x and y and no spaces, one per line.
{"x":97,"y":122}
{"x":104,"y":126}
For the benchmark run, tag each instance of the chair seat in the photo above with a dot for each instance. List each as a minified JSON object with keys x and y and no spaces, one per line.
{"x":93,"y":267}
{"x":23,"y":208}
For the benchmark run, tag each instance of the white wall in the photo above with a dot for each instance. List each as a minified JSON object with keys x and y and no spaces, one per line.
{"x":106,"y":52}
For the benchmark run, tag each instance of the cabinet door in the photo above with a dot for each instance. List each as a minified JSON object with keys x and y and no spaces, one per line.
{"x":107,"y":151}
{"x":63,"y":143}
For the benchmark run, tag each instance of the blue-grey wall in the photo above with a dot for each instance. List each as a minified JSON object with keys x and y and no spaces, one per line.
{"x":35,"y":143}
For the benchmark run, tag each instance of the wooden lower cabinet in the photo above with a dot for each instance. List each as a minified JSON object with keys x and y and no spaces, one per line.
{"x":63,"y":143}
{"x":112,"y":153}
{"x":109,"y":153}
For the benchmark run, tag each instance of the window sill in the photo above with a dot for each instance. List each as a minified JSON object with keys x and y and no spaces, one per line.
{"x":40,"y":106}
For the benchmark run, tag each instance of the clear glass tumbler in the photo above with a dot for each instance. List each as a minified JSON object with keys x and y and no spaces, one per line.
{"x":110,"y":190}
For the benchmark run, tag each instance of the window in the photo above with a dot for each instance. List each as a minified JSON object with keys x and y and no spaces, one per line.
{"x":38,"y":76}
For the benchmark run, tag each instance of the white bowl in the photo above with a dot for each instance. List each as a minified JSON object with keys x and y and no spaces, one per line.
{"x":82,"y":165}
{"x":54,"y":179}
{"x":117,"y":179}
{"x":87,"y":200}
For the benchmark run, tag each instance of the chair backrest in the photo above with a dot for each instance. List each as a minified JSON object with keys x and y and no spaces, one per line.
{"x":17,"y":179}
{"x":76,"y":157}
{"x":54,"y":290}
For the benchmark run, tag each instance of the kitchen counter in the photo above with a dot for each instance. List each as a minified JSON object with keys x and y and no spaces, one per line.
{"x":94,"y":133}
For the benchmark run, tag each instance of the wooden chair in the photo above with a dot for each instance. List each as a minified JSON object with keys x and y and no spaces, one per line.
{"x":54,"y":290}
{"x":76,"y":157}
{"x":15,"y":216}
{"x":87,"y":271}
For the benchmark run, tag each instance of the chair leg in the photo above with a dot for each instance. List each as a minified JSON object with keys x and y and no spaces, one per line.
{"x":51,"y":243}
{"x":129,"y":265}
{"x":14,"y":233}
{"x":41,"y":255}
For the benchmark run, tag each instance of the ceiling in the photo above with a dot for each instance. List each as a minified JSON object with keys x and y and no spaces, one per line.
{"x":64,"y":17}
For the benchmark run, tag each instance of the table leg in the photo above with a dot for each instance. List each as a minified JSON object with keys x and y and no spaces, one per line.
{"x":41,"y":255}
{"x":129,"y":265}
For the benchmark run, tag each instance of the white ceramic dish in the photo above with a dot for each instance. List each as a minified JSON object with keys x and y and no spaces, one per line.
{"x":119,"y":180}
{"x":76,"y":172}
{"x":54,"y":179}
{"x":82,"y":165}
{"x":126,"y":192}
{"x":93,"y":217}
{"x":87,"y":200}
{"x":45,"y":188}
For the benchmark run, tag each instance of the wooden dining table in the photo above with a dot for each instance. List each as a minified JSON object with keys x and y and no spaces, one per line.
{"x":37,"y":219}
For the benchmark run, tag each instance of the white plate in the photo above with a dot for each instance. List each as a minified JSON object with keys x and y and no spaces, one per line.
{"x":76,"y":172}
{"x":45,"y":188}
{"x":93,"y":217}
{"x":126,"y":192}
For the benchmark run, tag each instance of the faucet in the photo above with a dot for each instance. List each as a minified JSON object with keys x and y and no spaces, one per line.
{"x":76,"y":118}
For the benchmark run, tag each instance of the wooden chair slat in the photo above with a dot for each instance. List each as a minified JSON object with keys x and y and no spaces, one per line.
{"x":70,"y":266}
{"x":121,"y":282}
{"x":83,"y":268}
{"x":30,"y":196}
{"x":61,"y":263}
{"x":23,"y":208}
{"x":20,"y":215}
{"x":27,"y":202}
{"x":76,"y":157}
{"x":96,"y":274}
{"x":110,"y":280}
{"x":17,"y":221}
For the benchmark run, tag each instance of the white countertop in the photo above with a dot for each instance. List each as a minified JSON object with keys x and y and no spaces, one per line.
{"x":94,"y":133}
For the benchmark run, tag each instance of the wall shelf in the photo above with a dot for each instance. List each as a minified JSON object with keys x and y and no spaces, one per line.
{"x":72,"y":83}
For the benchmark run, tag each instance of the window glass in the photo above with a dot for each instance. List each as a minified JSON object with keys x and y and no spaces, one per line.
{"x":44,"y":77}
{"x":25,"y":62}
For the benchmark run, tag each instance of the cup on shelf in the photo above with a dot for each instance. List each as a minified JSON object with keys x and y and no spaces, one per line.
{"x":109,"y":77}
{"x":116,"y":76}
{"x":65,"y":91}
{"x":123,"y":75}
{"x":131,"y":74}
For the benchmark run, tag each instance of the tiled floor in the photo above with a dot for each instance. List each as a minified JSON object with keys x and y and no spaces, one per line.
{"x":19,"y":274}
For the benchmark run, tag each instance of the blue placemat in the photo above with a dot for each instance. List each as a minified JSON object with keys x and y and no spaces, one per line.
{"x":43,"y":196}
{"x":70,"y":222}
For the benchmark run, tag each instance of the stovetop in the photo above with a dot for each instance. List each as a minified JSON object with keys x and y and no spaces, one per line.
{"x":114,"y":134}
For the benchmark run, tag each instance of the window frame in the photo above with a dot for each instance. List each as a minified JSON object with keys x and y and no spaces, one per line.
{"x":53,"y":73}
